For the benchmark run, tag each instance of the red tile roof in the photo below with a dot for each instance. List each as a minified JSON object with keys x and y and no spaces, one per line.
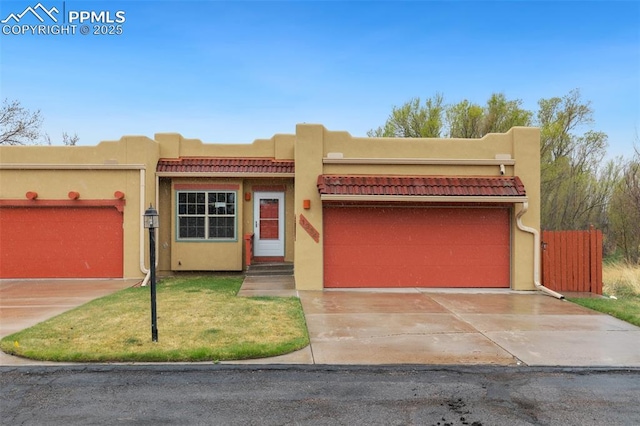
{"x":225,"y":165}
{"x":502,"y":186}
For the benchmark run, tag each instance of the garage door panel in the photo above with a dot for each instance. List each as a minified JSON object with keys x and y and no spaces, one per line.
{"x":416,"y":247}
{"x":426,"y":254}
{"x":61,"y":242}
{"x":439,"y":276}
{"x":408,"y":227}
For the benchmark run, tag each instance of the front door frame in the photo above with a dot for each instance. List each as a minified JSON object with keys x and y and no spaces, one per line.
{"x":268,"y":249}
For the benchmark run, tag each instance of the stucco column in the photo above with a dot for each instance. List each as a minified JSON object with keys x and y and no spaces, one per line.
{"x":308,"y":245}
{"x":526,"y":151}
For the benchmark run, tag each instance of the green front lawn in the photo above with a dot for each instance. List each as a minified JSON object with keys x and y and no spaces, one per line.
{"x":626,"y":308}
{"x":199,"y":319}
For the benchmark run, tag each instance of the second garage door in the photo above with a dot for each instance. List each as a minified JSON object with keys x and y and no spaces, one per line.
{"x":60,"y":242}
{"x":416,"y":247}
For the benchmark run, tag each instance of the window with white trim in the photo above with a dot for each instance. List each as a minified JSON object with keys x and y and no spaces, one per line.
{"x":206,"y":215}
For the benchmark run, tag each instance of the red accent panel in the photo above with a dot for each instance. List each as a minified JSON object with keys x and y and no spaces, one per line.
{"x":269,"y":188}
{"x":311,"y":230}
{"x":61,"y":242}
{"x":205,"y":186}
{"x":416,"y":247}
{"x":269,"y":229}
{"x":268,"y":259}
{"x":248,"y":248}
{"x":269,"y":219}
{"x":269,"y":208}
{"x":118,"y":204}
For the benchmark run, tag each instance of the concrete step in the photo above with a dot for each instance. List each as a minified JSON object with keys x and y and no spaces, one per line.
{"x":267,"y":269}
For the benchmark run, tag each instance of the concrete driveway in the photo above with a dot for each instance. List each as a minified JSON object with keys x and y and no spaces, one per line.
{"x":464,"y":328}
{"x":24,"y":303}
{"x":409,"y":326}
{"x":458,"y":327}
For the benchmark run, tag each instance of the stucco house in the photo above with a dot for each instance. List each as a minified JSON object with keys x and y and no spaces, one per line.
{"x":347,"y":211}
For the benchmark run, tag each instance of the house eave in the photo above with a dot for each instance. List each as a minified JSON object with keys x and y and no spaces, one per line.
{"x":224,"y":175}
{"x":425,"y":198}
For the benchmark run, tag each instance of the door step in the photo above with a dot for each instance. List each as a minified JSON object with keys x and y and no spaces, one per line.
{"x":271,"y":268}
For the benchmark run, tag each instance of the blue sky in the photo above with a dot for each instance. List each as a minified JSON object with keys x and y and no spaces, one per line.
{"x":237,"y":71}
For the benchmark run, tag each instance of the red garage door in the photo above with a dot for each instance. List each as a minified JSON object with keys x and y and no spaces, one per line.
{"x":416,"y":247}
{"x":60,"y":242}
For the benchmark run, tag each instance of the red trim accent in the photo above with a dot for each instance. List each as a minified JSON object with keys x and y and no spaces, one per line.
{"x":119,"y":195}
{"x":265,"y":259}
{"x":225,"y":165}
{"x":205,"y":186}
{"x":503,"y":186}
{"x":356,"y":203}
{"x":73,"y":195}
{"x":307,"y":226}
{"x":118,"y":204}
{"x":306,"y":204}
{"x":269,"y":188}
{"x":248,"y":247}
{"x":31,"y":195}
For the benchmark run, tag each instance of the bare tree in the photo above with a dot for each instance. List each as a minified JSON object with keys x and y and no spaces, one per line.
{"x":67,"y":139}
{"x":70,"y":140}
{"x":576,"y":182}
{"x":18,"y":125}
{"x":624,"y":210}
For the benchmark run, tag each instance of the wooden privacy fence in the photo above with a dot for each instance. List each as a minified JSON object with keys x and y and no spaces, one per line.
{"x":572,"y":260}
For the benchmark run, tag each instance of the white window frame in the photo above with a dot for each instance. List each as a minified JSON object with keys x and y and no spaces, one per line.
{"x":207,"y":216}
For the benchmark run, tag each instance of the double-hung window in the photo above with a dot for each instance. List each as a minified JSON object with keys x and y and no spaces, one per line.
{"x":207,"y":215}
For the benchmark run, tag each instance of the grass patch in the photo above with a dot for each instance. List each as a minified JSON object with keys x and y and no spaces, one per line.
{"x":199,"y":319}
{"x":626,"y":309}
{"x":622,"y":281}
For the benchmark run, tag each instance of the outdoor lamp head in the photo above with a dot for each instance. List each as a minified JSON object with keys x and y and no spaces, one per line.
{"x":151,"y":218}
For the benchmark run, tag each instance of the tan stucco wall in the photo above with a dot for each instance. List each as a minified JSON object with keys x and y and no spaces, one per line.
{"x":218,"y":256}
{"x":95,"y":172}
{"x":174,"y":145}
{"x":308,"y":267}
{"x":54,"y":171}
{"x":526,"y":151}
{"x":314,"y":143}
{"x":206,"y":255}
{"x":166,"y":232}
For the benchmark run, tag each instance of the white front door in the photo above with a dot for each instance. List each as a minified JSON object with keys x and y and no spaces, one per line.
{"x":268,"y":227}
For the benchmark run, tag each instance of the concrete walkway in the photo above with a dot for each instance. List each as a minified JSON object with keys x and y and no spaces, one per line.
{"x":407,"y":326}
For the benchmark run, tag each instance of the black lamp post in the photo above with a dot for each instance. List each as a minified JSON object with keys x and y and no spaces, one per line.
{"x":151,"y":222}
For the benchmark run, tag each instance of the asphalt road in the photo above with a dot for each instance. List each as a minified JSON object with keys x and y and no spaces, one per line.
{"x":313,"y":395}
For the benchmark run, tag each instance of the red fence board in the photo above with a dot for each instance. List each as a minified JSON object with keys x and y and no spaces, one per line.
{"x":572,"y":260}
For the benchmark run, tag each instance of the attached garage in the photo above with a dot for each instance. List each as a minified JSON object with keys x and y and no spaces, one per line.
{"x":416,"y":247}
{"x":402,"y":231}
{"x":61,"y":242}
